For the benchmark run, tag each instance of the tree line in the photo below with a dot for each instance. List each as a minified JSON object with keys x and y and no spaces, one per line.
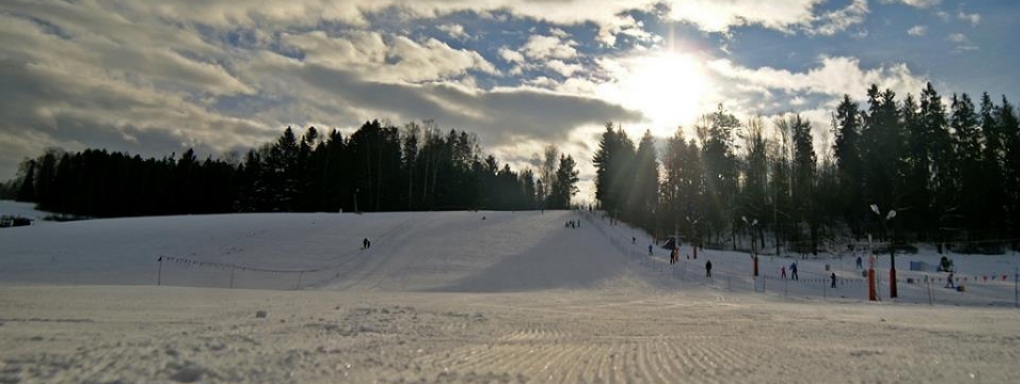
{"x":950,"y":172}
{"x":379,"y":167}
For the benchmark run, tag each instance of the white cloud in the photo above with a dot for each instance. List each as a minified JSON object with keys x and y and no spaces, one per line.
{"x":720,"y":16}
{"x":963,"y":43}
{"x":834,"y":76}
{"x":455,"y":30}
{"x":972,"y":18}
{"x":840,"y":20}
{"x":549,"y":47}
{"x":402,"y":59}
{"x":563,"y":68}
{"x":917,"y":30}
{"x":511,"y":56}
{"x":942,"y":15}
{"x":957,"y":38}
{"x":916,"y":3}
{"x":357,"y":48}
{"x":433,"y":60}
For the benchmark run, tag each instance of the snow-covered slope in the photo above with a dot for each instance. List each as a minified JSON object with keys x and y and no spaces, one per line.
{"x":467,"y":297}
{"x":445,"y":251}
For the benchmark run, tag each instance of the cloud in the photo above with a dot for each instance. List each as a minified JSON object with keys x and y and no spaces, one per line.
{"x":917,"y":30}
{"x":454,"y":30}
{"x":840,"y":20}
{"x":403,"y":59}
{"x":963,"y":43}
{"x":74,"y":88}
{"x":533,"y":113}
{"x":973,"y":18}
{"x":549,"y":47}
{"x":916,"y":3}
{"x":511,"y":56}
{"x":433,"y":59}
{"x":720,"y":16}
{"x":834,"y":76}
{"x":564,"y":69}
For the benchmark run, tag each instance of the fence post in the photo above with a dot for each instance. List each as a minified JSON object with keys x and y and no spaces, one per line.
{"x":1016,"y":287}
{"x":159,"y":272}
{"x":300,"y":274}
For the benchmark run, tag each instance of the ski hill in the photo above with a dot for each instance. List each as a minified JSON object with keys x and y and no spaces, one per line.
{"x":459,"y":251}
{"x":472,"y":297}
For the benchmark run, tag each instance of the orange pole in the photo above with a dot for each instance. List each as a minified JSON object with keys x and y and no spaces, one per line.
{"x":871,"y":285}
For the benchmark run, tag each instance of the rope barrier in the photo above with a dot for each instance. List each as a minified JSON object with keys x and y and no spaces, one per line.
{"x":212,"y":264}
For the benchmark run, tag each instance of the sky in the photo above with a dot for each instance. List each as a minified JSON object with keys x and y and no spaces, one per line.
{"x":222,"y":76}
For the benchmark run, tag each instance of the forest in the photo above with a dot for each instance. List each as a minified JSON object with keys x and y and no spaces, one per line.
{"x":377,"y":168}
{"x":904,"y":169}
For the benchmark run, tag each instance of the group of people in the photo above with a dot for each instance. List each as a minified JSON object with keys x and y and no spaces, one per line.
{"x":572,"y":224}
{"x":793,"y":271}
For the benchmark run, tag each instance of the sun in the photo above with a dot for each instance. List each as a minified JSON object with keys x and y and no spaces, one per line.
{"x":667,"y":87}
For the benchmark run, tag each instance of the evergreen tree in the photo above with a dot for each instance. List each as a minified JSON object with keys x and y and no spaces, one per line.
{"x":882,"y":139}
{"x":644,"y":191}
{"x":1010,"y":130}
{"x":967,"y":143}
{"x":614,"y":164}
{"x":26,"y":192}
{"x":804,"y":171}
{"x":993,"y":205}
{"x":849,"y":163}
{"x":564,"y":185}
{"x":720,"y":172}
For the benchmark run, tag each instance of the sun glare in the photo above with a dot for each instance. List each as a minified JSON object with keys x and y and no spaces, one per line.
{"x":667,"y":87}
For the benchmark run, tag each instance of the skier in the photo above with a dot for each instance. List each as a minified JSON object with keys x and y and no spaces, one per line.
{"x":782,"y":272}
{"x":365,"y":244}
{"x":793,"y":271}
{"x":649,"y":249}
{"x":949,"y":282}
{"x":708,"y":268}
{"x":860,"y":263}
{"x":833,"y":276}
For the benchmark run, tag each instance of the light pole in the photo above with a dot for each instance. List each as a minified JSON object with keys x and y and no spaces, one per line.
{"x":892,"y":250}
{"x":754,"y":255}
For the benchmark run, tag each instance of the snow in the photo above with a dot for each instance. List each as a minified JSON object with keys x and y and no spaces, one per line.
{"x":472,"y":297}
{"x":26,"y":210}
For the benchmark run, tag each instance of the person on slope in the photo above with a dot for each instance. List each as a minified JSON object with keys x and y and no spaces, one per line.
{"x":365,"y":244}
{"x":833,"y":276}
{"x":708,"y":268}
{"x":782,"y":272}
{"x":860,"y":263}
{"x":793,"y":271}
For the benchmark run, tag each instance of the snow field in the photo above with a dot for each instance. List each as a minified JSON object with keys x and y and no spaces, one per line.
{"x":464,"y":297}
